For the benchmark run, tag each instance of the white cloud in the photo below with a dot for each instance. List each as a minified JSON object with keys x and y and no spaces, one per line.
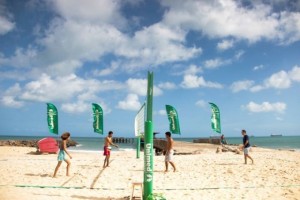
{"x":9,"y":100}
{"x":201,"y":103}
{"x":193,"y":69}
{"x":258,"y":67}
{"x":241,"y":85}
{"x":22,"y":58}
{"x":155,"y":45}
{"x":161,"y":112}
{"x":215,"y":63}
{"x":278,"y":107}
{"x":257,"y":88}
{"x":294,"y":74}
{"x":6,"y":22}
{"x":239,"y":54}
{"x":225,"y":44}
{"x":78,"y":107}
{"x":92,"y":11}
{"x":95,"y":29}
{"x":280,"y":80}
{"x":255,"y":22}
{"x":139,"y":87}
{"x":63,"y":89}
{"x":107,"y":71}
{"x":193,"y":81}
{"x":167,"y":85}
{"x":63,"y":68}
{"x":130,"y":103}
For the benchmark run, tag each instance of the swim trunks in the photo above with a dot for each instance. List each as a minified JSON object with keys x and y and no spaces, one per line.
{"x":106,"y":151}
{"x":61,"y":155}
{"x":246,"y":150}
{"x":169,"y":156}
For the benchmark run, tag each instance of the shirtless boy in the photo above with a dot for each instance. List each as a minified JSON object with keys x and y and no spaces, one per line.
{"x":107,"y":148}
{"x":169,"y":152}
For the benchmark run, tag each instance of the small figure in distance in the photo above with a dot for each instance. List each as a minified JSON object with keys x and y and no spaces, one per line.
{"x":246,"y":146}
{"x":61,"y":155}
{"x":223,"y":140}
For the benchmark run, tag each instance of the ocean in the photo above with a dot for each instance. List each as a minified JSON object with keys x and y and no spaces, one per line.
{"x":93,"y":144}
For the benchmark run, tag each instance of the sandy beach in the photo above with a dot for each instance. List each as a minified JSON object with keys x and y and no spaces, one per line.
{"x":205,"y":175}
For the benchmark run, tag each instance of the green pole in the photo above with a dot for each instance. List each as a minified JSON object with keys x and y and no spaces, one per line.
{"x":148,"y":160}
{"x":138,"y":147}
{"x":148,"y":141}
{"x":149,"y":97}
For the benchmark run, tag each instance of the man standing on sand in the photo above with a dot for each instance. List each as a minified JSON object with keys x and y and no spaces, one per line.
{"x":169,"y":152}
{"x":107,"y":148}
{"x":246,"y":146}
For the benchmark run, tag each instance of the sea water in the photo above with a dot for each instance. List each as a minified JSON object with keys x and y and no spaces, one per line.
{"x":95,"y":144}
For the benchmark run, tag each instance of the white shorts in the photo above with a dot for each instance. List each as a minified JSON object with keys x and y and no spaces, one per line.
{"x":169,"y":156}
{"x":246,"y":150}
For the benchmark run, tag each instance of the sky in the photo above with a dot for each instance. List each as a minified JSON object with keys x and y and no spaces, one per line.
{"x":244,"y":56}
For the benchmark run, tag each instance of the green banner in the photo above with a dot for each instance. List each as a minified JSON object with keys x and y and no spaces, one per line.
{"x":215,"y":118}
{"x":173,"y":119}
{"x":98,"y":118}
{"x":52,"y":118}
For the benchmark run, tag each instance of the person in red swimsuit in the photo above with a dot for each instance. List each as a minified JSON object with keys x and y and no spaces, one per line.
{"x":107,"y":148}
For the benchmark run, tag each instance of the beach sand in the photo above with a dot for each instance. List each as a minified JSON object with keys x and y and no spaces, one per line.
{"x":205,"y":175}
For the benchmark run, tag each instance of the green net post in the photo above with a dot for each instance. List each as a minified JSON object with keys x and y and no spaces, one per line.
{"x":148,"y":141}
{"x":148,"y":159}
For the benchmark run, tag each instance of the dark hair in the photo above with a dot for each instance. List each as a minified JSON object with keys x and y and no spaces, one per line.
{"x":110,"y":132}
{"x":65,"y":135}
{"x":168,"y":134}
{"x":243,"y":131}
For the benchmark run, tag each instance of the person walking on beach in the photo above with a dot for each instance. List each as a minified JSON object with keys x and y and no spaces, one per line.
{"x":61,"y":155}
{"x":246,"y":146}
{"x":107,"y":148}
{"x":169,"y":152}
{"x":223,"y":140}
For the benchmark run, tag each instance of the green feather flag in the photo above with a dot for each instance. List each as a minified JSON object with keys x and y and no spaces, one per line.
{"x":173,"y":119}
{"x":52,"y":118}
{"x":98,"y":118}
{"x":215,"y":118}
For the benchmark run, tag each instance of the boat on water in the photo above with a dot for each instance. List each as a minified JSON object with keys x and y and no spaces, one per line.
{"x":276,"y":135}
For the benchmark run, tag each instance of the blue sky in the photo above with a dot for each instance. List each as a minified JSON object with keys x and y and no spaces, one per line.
{"x":244,"y":56}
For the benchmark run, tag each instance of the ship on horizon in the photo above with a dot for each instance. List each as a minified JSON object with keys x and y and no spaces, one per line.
{"x":276,"y":135}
